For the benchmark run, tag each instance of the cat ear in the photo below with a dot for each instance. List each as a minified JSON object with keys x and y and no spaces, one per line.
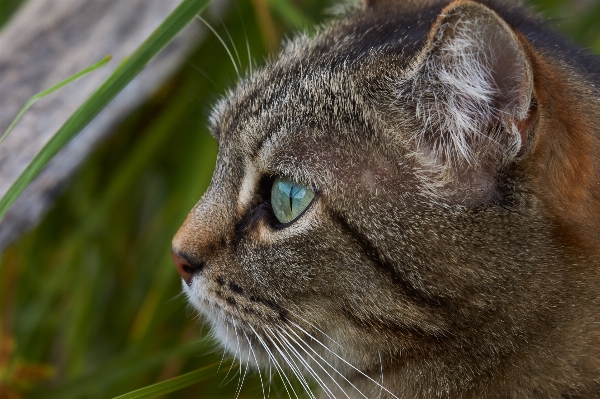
{"x":471,"y":90}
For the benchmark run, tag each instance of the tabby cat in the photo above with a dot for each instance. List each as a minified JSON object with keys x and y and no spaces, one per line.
{"x":407,"y":205}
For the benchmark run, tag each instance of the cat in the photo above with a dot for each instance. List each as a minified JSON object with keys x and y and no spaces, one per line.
{"x":407,"y":205}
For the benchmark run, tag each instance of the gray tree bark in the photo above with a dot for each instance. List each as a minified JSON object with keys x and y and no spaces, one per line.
{"x":49,"y":40}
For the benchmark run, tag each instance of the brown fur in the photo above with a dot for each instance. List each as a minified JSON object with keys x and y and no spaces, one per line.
{"x":453,"y":246}
{"x":567,"y":162}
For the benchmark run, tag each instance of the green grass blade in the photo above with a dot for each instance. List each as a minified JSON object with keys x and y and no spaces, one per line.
{"x":130,"y":67}
{"x":175,"y":384}
{"x":126,"y":366}
{"x":51,"y":90}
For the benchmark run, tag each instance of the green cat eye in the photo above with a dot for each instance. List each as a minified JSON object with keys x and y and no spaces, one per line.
{"x":289,"y":199}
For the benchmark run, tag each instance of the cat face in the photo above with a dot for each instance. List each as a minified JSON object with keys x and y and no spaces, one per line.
{"x":413,"y":247}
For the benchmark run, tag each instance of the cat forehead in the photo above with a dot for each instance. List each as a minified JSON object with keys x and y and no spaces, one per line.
{"x":322,"y":84}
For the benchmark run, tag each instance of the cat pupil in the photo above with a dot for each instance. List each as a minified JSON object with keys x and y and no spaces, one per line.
{"x":289,"y":199}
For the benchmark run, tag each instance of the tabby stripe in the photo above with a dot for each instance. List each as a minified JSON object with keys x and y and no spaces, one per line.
{"x":372,"y":253}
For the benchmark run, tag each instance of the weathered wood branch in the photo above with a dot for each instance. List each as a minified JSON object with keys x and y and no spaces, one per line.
{"x":49,"y":40}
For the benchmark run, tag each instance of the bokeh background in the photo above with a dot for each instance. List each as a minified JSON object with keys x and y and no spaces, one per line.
{"x":90,"y":303}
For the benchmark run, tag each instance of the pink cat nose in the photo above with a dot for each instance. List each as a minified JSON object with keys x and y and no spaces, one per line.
{"x":185,"y":268}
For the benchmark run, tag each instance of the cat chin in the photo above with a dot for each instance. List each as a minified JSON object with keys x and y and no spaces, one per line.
{"x":261,"y":344}
{"x":225,"y":329}
{"x":234,"y":334}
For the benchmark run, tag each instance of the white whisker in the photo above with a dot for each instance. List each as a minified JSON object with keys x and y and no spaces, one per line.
{"x":340,"y":358}
{"x":380,"y":373}
{"x":309,"y":368}
{"x":293,"y":366}
{"x":321,"y":366}
{"x":245,"y":35}
{"x":262,"y":385}
{"x":239,"y":352}
{"x":237,"y":55}
{"x":275,"y":363}
{"x":380,"y":377}
{"x":222,"y":42}
{"x":313,"y":326}
{"x":231,"y":367}
{"x":270,"y":378}
{"x":239,"y":389}
{"x":223,"y":356}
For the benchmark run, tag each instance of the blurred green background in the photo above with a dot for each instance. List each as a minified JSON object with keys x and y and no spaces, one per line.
{"x":89,"y":301}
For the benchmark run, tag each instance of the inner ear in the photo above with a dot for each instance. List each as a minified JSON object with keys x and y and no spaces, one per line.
{"x":511,"y":81}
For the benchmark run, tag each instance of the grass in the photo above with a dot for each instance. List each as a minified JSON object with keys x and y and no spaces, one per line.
{"x":7,"y":8}
{"x":116,"y":82}
{"x":89,"y":301}
{"x":51,"y":90}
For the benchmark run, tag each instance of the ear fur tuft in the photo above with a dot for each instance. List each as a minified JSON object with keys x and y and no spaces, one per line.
{"x":471,"y":89}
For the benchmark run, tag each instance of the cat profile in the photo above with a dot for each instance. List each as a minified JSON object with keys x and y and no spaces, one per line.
{"x":407,"y":205}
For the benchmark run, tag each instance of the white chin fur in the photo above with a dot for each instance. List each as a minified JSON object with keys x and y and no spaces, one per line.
{"x":224,"y":327}
{"x":239,"y":340}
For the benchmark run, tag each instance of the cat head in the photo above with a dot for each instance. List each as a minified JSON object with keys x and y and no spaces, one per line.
{"x":372,"y":203}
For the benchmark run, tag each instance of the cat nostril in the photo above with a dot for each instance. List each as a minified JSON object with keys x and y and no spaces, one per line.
{"x":186,"y":269}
